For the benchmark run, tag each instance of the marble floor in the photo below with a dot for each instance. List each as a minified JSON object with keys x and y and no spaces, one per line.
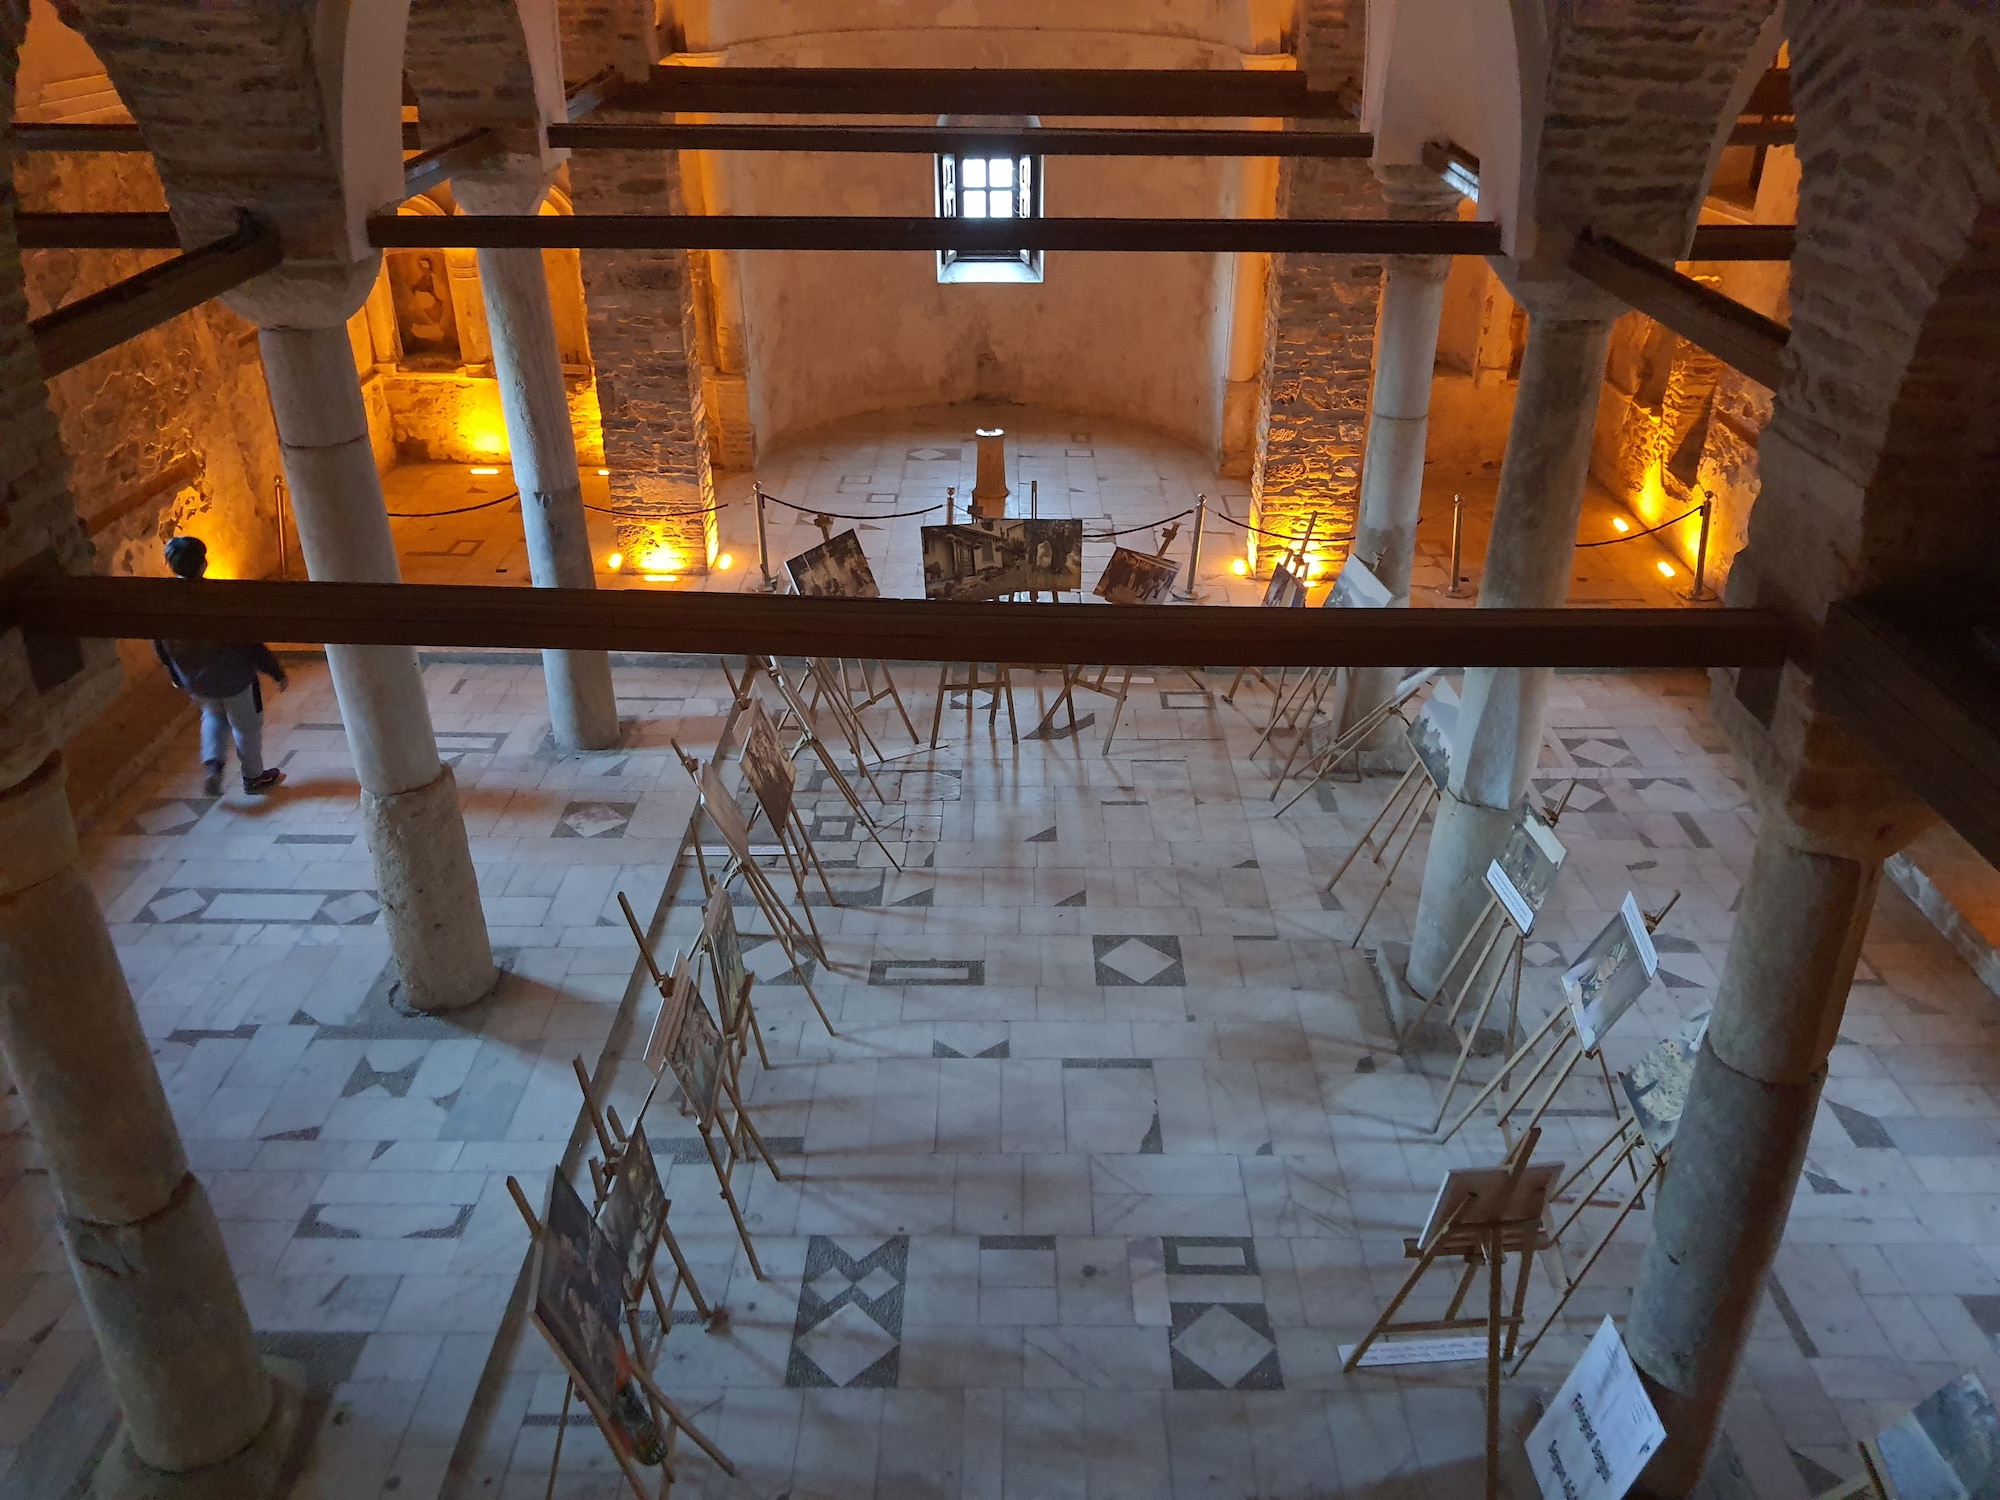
{"x":1112,"y":1152}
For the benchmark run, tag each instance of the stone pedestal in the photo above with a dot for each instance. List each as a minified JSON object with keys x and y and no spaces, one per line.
{"x":436,"y":928}
{"x":989,"y":485}
{"x":1528,"y":561}
{"x":143,"y":1243}
{"x":527,"y":365}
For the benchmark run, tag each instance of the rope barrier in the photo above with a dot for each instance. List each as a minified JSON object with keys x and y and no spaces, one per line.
{"x":463,"y":510}
{"x":835,"y":515}
{"x":1615,"y":540}
{"x":1289,"y":541}
{"x":1105,"y":536}
{"x":657,"y":515}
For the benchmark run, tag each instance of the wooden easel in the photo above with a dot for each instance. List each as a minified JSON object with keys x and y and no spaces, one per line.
{"x":1293,"y":558}
{"x":1499,"y":1216}
{"x":797,"y":719}
{"x":1097,"y":680}
{"x":1564,"y":1046}
{"x":999,"y":685}
{"x":1322,"y":766}
{"x":666,"y":1413}
{"x":683,"y":1034}
{"x":773,"y":780}
{"x":722,"y":812}
{"x":1416,"y":794}
{"x":830,"y":676}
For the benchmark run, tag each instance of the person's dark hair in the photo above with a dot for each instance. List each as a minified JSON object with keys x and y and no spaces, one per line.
{"x":187,"y":556}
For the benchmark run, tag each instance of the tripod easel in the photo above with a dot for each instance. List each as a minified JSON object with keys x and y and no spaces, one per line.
{"x":1322,"y":766}
{"x":999,"y":685}
{"x":1414,"y":794}
{"x":1483,"y":1215}
{"x":796,"y":716}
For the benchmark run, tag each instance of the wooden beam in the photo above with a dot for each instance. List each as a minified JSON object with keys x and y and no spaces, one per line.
{"x":33,"y":137}
{"x":1743,"y":242}
{"x":1764,"y":133}
{"x":899,"y":629}
{"x":1772,"y":95}
{"x":96,"y":232}
{"x":1735,"y":334}
{"x":929,"y":139}
{"x":89,"y":326}
{"x":590,"y":95}
{"x":426,"y":170}
{"x":981,"y":91}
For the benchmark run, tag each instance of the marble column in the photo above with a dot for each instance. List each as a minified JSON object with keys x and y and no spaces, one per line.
{"x":527,"y":363}
{"x":1399,"y":410}
{"x":1528,"y":561}
{"x":142,"y":1240}
{"x":1742,"y":1138}
{"x":409,"y":799}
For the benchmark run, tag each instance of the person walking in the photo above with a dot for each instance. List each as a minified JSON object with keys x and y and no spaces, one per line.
{"x":221,"y":677}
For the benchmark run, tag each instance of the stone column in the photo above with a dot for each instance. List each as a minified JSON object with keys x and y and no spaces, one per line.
{"x":142,"y":1240}
{"x":1528,"y":559}
{"x":1742,"y":1139}
{"x":527,"y":363}
{"x":409,"y":800}
{"x":1399,"y":412}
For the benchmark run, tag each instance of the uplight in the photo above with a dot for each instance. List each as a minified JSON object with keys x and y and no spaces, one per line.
{"x":662,"y":577}
{"x":615,"y":561}
{"x":486,"y":471}
{"x":1666,"y":569}
{"x":603,"y":473}
{"x":1240,"y":567}
{"x":1619,"y":523}
{"x":725,"y":560}
{"x":659,"y":560}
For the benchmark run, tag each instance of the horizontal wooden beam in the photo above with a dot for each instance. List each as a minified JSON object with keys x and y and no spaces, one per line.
{"x":427,"y":169}
{"x":1198,"y":92}
{"x":1737,"y":335}
{"x":1764,"y":133}
{"x":1743,"y":242}
{"x":897,"y":629}
{"x":929,"y":139}
{"x":91,"y":325}
{"x":33,"y":137}
{"x":857,"y":232}
{"x":96,"y":232}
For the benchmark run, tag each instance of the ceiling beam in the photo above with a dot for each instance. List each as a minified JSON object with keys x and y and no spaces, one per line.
{"x":456,"y":615}
{"x":1201,"y":92}
{"x":928,"y":139}
{"x":1737,"y":335}
{"x":91,"y":325}
{"x":28,"y":136}
{"x":96,"y":232}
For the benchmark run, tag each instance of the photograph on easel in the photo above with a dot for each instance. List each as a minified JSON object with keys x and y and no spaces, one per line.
{"x":1356,"y":587}
{"x":1525,"y":872}
{"x":1477,"y":1198}
{"x":1656,"y":1086}
{"x":579,"y":1306}
{"x":1431,"y":733}
{"x":725,"y":947}
{"x":767,"y":768}
{"x":1613,"y":971}
{"x":1949,"y":1447}
{"x":676,"y":995}
{"x":725,"y":814}
{"x":986,"y":559}
{"x":1286,"y":590}
{"x":695,"y":1056}
{"x":635,"y":1210}
{"x":836,"y":569}
{"x":1137,"y":578}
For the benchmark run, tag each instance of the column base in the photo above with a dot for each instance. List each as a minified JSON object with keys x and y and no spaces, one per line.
{"x":1432,"y":1047}
{"x":263,"y":1471}
{"x":430,"y":895}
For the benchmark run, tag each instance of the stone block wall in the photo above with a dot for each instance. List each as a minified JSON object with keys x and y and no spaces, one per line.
{"x":445,"y":418}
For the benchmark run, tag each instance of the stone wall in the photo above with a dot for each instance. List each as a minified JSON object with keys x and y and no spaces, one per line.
{"x":1321,"y":339}
{"x":448,"y":418}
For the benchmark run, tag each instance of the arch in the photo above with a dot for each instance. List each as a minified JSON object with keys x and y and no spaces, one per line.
{"x":485,"y":64}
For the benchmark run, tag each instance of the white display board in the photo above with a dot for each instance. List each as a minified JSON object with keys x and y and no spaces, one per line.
{"x":1613,"y":972}
{"x":1600,"y":1430}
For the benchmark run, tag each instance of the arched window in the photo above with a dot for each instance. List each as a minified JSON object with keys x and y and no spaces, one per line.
{"x":993,"y":179}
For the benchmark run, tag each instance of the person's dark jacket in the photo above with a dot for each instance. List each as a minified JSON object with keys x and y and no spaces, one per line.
{"x":217,"y":669}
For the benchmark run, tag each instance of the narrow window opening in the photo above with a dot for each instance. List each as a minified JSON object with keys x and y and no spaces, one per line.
{"x":988,"y":181}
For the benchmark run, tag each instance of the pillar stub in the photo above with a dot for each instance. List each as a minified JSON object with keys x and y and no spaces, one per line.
{"x":514,"y":185}
{"x":37,"y":834}
{"x":263,"y":1471}
{"x":306,"y":293}
{"x":1554,"y":293}
{"x":1416,"y":192}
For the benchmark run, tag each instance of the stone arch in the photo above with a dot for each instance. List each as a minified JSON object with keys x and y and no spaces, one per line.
{"x":484,"y":65}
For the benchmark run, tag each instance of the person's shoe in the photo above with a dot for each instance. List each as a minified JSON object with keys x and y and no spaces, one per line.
{"x":258,"y":785}
{"x":211,"y":784}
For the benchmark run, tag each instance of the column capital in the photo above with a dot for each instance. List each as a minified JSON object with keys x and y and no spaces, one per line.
{"x":306,"y":293}
{"x":1554,"y":293}
{"x":513,"y":185}
{"x":1416,"y":192}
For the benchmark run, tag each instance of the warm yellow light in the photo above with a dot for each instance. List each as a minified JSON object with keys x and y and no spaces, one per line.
{"x":725,"y":560}
{"x":489,"y":442}
{"x":1666,"y":569}
{"x":486,"y":471}
{"x":1240,"y":566}
{"x":659,"y":560}
{"x":615,"y":561}
{"x":663,"y":578}
{"x":603,"y":473}
{"x":1619,"y":523}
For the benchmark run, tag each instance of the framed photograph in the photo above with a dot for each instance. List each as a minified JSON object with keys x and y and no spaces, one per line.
{"x":725,"y":814}
{"x":1356,"y":587}
{"x":634,"y":1212}
{"x":1431,"y":734}
{"x":677,"y":997}
{"x":580,"y":1308}
{"x":695,"y":1055}
{"x":1285,"y":590}
{"x":1656,"y":1086}
{"x":836,"y":569}
{"x":1137,"y":578}
{"x":1616,"y":968}
{"x":1526,"y":869}
{"x":767,"y":768}
{"x":1948,"y":1447}
{"x":725,"y":952}
{"x":986,"y":559}
{"x":1481,"y":1192}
